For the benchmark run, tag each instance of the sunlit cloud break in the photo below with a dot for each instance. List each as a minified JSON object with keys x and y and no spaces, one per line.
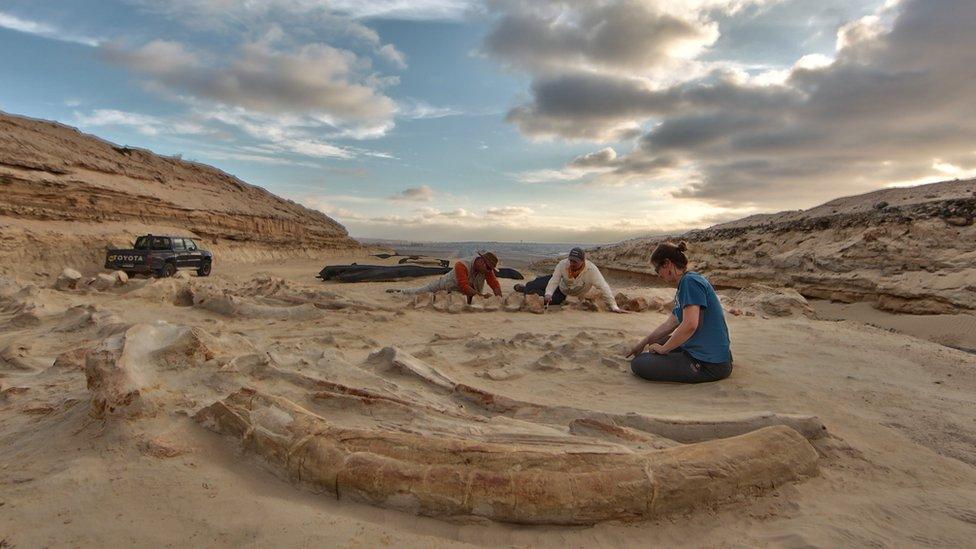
{"x":44,"y":30}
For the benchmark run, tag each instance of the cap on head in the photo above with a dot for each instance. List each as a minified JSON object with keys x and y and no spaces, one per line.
{"x":577,"y":254}
{"x":490,"y":259}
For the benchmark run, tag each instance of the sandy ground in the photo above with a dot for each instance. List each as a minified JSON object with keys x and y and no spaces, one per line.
{"x":957,"y":331}
{"x":899,"y":468}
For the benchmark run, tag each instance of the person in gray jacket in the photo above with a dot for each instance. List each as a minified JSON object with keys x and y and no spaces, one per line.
{"x":573,"y":276}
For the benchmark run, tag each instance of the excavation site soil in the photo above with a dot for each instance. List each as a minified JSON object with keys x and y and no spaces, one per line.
{"x":260,"y":405}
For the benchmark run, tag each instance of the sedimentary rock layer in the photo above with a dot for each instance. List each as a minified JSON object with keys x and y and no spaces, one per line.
{"x":62,"y":189}
{"x":909,"y":250}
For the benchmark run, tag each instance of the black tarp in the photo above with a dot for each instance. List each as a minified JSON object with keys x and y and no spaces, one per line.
{"x":388,"y":273}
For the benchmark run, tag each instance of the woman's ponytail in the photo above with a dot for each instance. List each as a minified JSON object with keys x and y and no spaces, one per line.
{"x":670,"y":251}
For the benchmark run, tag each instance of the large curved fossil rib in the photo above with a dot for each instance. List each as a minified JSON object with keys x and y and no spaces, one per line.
{"x":454,"y":477}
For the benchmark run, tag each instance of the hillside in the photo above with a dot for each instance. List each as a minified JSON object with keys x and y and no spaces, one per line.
{"x":65,"y":195}
{"x":908,"y":249}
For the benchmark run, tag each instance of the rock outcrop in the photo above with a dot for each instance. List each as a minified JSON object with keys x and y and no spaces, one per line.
{"x":910,"y":249}
{"x":65,"y":196}
{"x":767,"y":301}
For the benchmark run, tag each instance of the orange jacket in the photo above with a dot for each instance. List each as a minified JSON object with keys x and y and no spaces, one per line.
{"x":461,"y":273}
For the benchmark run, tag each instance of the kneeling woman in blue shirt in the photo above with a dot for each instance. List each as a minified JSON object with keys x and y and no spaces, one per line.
{"x":692,"y":345}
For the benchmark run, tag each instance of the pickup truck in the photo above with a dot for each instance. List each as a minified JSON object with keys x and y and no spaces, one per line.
{"x":160,"y":256}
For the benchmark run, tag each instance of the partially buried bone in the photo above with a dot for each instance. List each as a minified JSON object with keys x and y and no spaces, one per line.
{"x":679,"y":429}
{"x":443,"y":476}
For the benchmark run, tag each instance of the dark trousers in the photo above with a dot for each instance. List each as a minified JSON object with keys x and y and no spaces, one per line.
{"x":538,"y":287}
{"x":678,"y":367}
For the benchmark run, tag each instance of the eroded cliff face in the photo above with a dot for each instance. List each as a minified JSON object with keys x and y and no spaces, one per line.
{"x":65,"y":195}
{"x":909,"y":249}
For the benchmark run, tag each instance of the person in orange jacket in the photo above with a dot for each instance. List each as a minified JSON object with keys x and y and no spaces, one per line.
{"x":469,"y":277}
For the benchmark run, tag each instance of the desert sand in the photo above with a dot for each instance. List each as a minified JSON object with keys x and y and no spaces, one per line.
{"x":86,"y":466}
{"x":261,"y":406}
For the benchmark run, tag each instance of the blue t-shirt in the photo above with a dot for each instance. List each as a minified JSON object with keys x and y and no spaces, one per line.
{"x":710,"y":342}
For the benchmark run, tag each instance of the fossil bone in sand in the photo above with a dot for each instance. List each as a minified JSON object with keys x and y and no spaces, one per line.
{"x":450,"y":450}
{"x":454,"y":477}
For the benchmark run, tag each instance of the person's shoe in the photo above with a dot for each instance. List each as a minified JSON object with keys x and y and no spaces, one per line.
{"x":520,"y":288}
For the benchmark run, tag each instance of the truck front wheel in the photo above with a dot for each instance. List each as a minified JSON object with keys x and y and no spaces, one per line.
{"x":204,"y":269}
{"x":168,"y":270}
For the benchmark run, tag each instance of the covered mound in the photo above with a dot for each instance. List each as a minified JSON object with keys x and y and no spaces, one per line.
{"x":390,"y":273}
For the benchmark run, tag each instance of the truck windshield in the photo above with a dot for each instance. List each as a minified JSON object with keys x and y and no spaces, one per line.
{"x":142,"y":243}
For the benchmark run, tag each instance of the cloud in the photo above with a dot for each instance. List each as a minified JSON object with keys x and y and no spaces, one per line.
{"x":233,"y":12}
{"x":275,"y":133}
{"x":598,"y":159}
{"x":393,"y":55}
{"x":314,"y":78}
{"x":422,"y":193}
{"x":623,"y":35}
{"x":513,"y":223}
{"x":416,"y":10}
{"x":44,"y":30}
{"x":894,"y":100}
{"x":324,"y":205}
{"x":509,"y":211}
{"x":143,"y":123}
{"x":421,"y":110}
{"x":256,"y":136}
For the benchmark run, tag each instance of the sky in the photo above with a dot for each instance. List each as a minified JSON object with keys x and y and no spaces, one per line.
{"x":582,"y":121}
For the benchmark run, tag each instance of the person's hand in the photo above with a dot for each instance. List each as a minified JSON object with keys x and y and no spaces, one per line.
{"x":621,"y":311}
{"x":656,"y":348}
{"x":638,"y":349}
{"x":547,"y":299}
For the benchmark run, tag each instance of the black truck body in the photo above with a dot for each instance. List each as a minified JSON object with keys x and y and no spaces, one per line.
{"x":160,"y":256}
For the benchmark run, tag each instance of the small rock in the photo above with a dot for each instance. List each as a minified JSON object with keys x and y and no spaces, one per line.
{"x":456,"y":303}
{"x":121,"y":279}
{"x":500,"y":374}
{"x":477,"y":304}
{"x":659,"y":304}
{"x":68,"y":279}
{"x":959,"y":221}
{"x":26,"y":319}
{"x":184,"y":297}
{"x":71,"y":360}
{"x":534,"y":304}
{"x":636,"y":305}
{"x":162,"y":448}
{"x":513,"y":302}
{"x":441,"y":301}
{"x":103,"y":282}
{"x":494,"y":303}
{"x":423,"y":301}
{"x":485,"y":304}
